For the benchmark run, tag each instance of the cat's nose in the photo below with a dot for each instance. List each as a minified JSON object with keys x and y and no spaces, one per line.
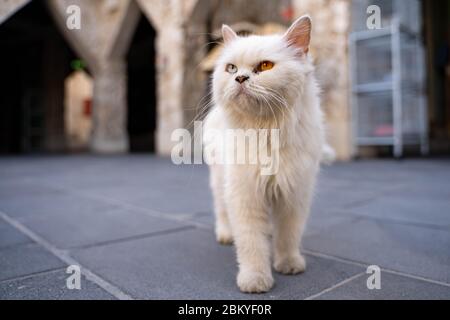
{"x":241,"y":79}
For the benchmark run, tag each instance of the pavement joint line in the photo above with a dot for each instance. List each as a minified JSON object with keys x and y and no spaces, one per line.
{"x":374,"y":196}
{"x":331,"y":257}
{"x":151,"y":212}
{"x":412,"y":276}
{"x":132,"y":238}
{"x":66,"y":258}
{"x":32,"y":275}
{"x":398,"y":221}
{"x":337,"y":285}
{"x":365,"y":265}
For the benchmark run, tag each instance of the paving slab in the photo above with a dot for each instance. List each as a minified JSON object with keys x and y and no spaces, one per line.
{"x":428,"y":212}
{"x":9,"y":236}
{"x":393,"y":287}
{"x":180,"y":199}
{"x":327,"y":199}
{"x":26,"y":259}
{"x":367,"y":171}
{"x":50,"y":286}
{"x":191,"y":265}
{"x":88,"y":228}
{"x":401,"y":247}
{"x":49,"y":204}
{"x":177,"y":190}
{"x":11,"y":189}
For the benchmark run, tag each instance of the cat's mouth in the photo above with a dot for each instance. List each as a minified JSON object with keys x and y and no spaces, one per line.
{"x":242,"y":90}
{"x":243,"y":93}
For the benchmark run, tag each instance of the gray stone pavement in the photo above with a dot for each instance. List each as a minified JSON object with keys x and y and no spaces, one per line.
{"x":141,"y":227}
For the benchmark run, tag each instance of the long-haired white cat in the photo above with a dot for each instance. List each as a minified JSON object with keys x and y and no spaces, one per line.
{"x":266,"y":82}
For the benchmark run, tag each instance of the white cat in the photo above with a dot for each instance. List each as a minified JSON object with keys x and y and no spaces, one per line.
{"x":266,"y":82}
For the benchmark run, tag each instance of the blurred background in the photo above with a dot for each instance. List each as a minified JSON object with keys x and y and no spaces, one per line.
{"x":86,"y":117}
{"x":138,"y":69}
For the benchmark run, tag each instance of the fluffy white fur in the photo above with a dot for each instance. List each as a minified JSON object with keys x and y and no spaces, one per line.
{"x":254,"y":211}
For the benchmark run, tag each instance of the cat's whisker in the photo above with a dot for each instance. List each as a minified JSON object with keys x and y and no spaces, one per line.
{"x":199,"y":114}
{"x":272,"y":96}
{"x":273,"y":112}
{"x":282,"y":101}
{"x":276,"y":96}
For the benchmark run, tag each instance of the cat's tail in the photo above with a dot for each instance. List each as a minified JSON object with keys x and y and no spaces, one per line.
{"x":328,"y":154}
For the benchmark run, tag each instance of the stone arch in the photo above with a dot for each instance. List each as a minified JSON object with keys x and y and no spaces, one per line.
{"x":57,"y":10}
{"x":9,"y":8}
{"x":125,"y":31}
{"x":153,"y":10}
{"x":134,"y":44}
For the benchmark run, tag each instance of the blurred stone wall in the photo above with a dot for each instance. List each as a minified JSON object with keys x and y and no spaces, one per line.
{"x":331,"y":25}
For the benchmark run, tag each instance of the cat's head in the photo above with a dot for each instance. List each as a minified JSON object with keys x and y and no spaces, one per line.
{"x":260,"y":75}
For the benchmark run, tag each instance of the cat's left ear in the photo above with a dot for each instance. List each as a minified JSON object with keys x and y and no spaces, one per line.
{"x":299,"y":34}
{"x":228,"y":34}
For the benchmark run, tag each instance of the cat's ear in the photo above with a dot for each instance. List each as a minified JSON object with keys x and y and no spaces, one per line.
{"x":299,"y":34}
{"x":228,"y":34}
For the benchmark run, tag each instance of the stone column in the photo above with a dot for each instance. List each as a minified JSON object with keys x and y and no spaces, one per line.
{"x":170,"y":66}
{"x":109,"y":110}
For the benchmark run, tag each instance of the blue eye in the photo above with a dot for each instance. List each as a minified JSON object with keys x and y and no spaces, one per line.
{"x":231,"y":68}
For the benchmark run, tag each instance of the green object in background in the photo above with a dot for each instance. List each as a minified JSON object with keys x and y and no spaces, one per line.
{"x":78,"y":64}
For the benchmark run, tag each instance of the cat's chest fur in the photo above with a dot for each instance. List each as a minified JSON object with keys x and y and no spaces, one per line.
{"x":296,"y":161}
{"x":297,"y":156}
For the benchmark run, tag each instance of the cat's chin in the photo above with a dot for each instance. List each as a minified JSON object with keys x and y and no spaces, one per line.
{"x":244,"y":104}
{"x":244,"y":109}
{"x":242,"y":95}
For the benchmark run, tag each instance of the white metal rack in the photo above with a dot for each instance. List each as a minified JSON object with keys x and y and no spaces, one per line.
{"x":387,"y":76}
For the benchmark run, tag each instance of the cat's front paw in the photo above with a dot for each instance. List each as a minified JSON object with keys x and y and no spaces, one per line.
{"x":224,"y":236}
{"x":290,"y":264}
{"x":254,"y":281}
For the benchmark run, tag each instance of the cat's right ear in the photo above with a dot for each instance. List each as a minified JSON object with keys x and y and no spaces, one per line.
{"x":299,"y":34}
{"x":228,"y":34}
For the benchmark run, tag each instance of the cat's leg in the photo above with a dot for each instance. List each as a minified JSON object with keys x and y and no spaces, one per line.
{"x":222,"y":224}
{"x":289,"y":218}
{"x":251,"y":228}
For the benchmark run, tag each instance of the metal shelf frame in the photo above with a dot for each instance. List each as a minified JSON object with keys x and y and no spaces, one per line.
{"x":395,"y":87}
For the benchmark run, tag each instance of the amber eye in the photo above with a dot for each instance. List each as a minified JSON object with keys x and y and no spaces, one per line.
{"x":231,"y":68}
{"x":264,"y":66}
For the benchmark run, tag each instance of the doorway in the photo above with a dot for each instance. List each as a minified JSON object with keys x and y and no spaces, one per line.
{"x":141,"y":123}
{"x":437,"y":42}
{"x":36,"y":61}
